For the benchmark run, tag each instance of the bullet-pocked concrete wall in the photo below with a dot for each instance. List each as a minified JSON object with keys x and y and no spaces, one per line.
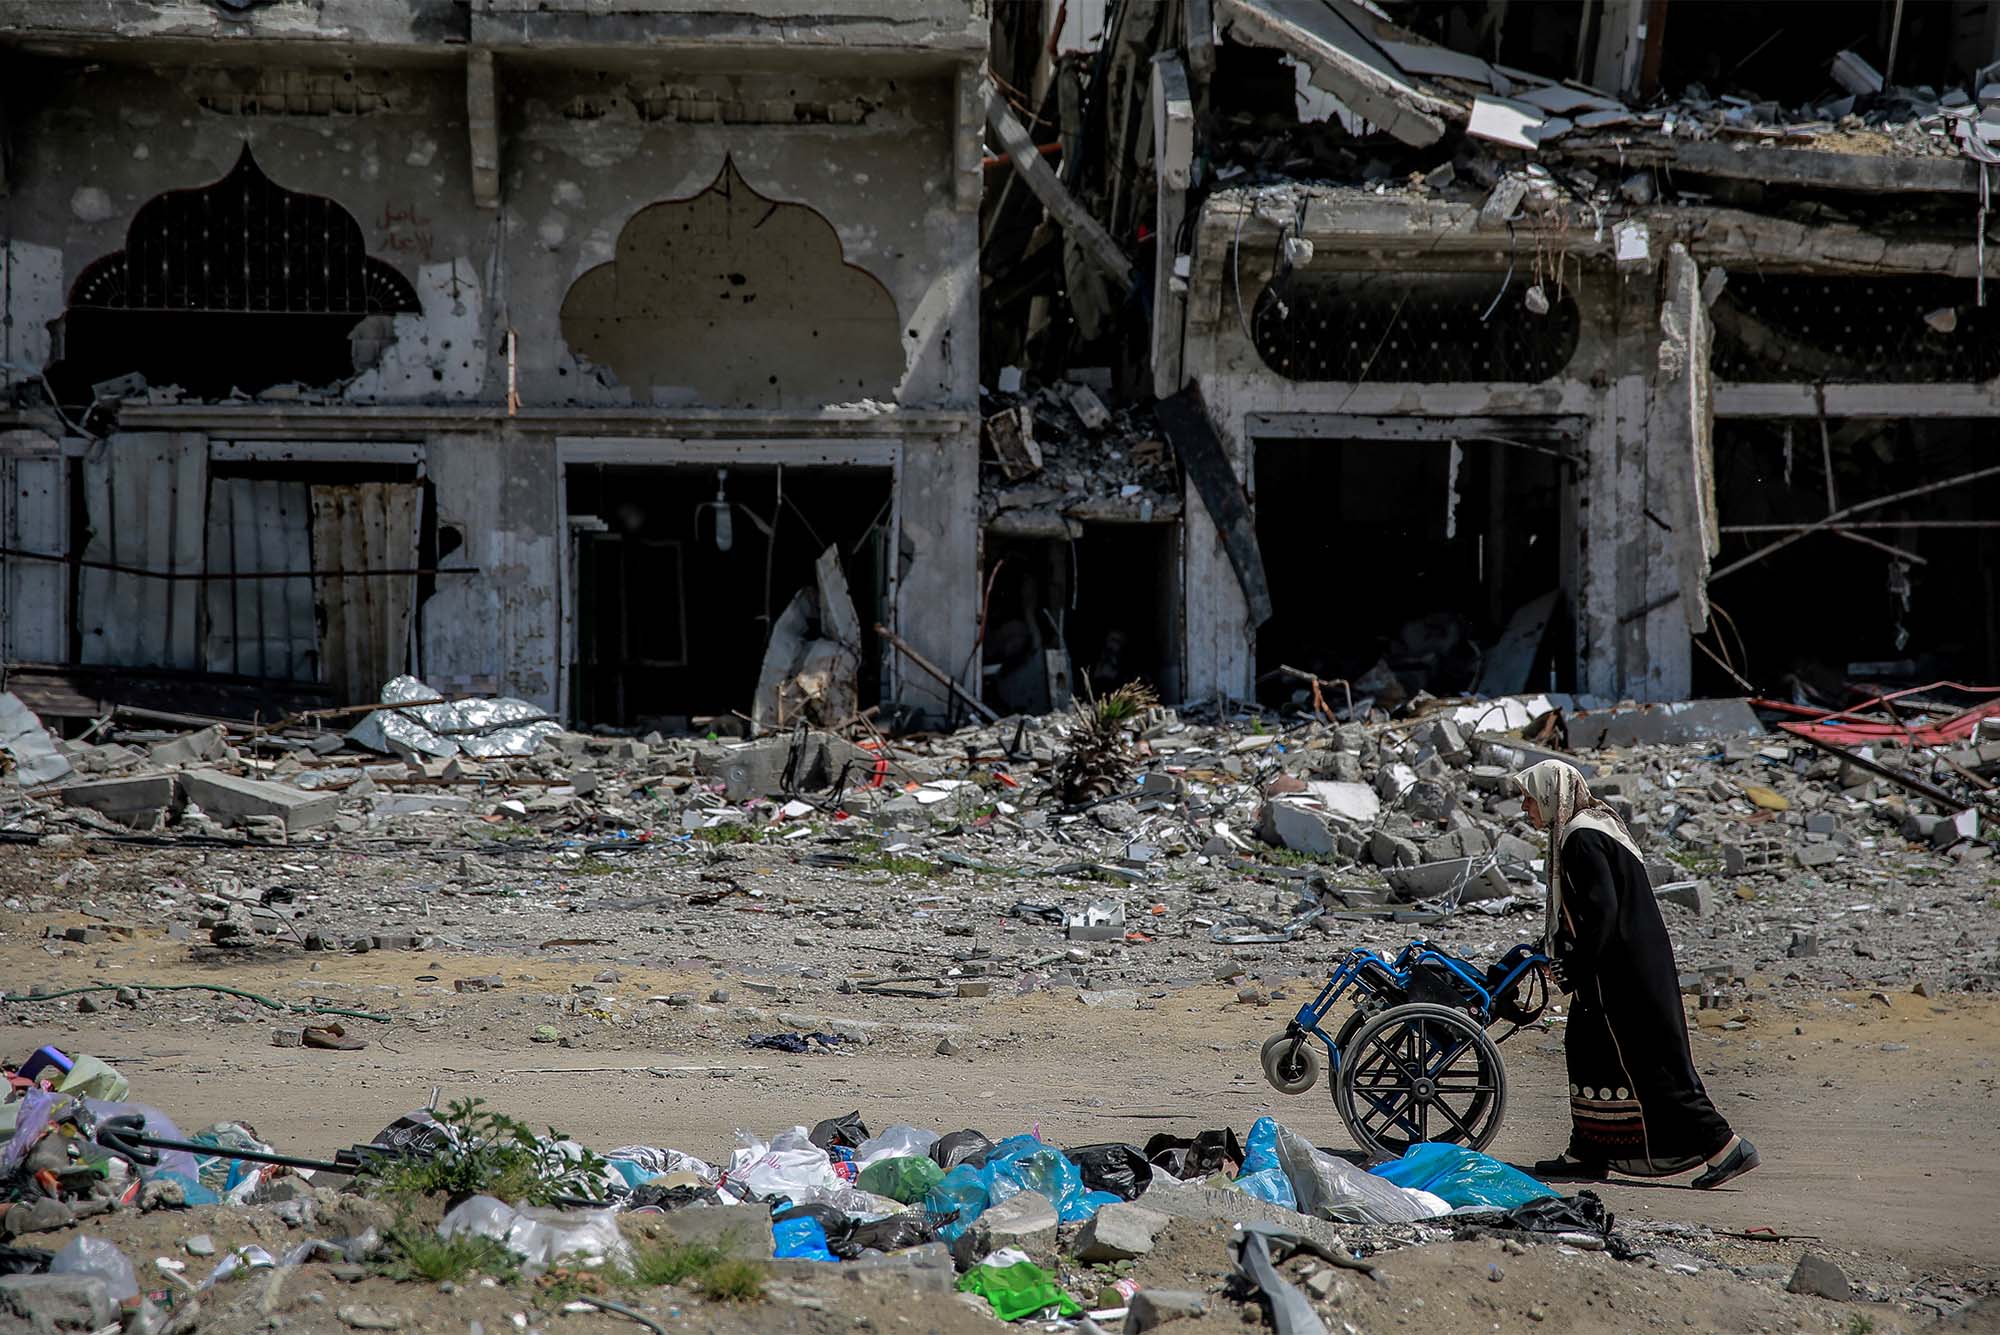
{"x":592,"y":160}
{"x":870,"y":164}
{"x":90,"y":144}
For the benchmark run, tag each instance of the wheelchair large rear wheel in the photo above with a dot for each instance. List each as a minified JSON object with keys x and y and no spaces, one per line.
{"x":1420,"y":1072}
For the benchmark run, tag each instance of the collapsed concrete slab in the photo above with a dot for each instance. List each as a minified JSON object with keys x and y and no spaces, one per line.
{"x":30,"y":758}
{"x":1671,"y":724}
{"x":230,"y":800}
{"x":758,"y":769}
{"x":1473,"y":878}
{"x":139,"y":802}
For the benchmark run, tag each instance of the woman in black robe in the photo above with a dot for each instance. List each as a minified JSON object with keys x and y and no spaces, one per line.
{"x":1636,"y":1105}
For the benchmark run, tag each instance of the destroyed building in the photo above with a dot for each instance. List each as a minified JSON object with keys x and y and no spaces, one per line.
{"x":540,"y":347}
{"x":653,"y":361}
{"x":1632,"y":349}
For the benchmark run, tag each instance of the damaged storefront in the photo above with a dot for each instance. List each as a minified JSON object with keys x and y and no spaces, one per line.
{"x":535,"y":349}
{"x":1588,"y":348}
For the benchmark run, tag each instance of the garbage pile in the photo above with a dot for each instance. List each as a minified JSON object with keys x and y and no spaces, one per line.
{"x":1061,"y":455}
{"x":1025,"y":1228}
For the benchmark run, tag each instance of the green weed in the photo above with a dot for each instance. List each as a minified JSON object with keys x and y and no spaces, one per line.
{"x":486,"y":1153}
{"x":729,"y":834}
{"x":703,"y":1267}
{"x":593,"y":867}
{"x":418,"y":1253}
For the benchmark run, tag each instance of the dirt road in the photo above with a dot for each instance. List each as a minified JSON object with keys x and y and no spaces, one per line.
{"x":1878,"y":1119}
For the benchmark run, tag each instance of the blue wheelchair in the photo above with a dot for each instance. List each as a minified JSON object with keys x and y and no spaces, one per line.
{"x":1414,"y":1062}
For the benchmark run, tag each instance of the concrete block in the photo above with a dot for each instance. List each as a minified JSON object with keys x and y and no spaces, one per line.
{"x":1474,"y":879}
{"x":138,"y":802}
{"x":1817,"y":855}
{"x":1026,"y":1220}
{"x":1389,"y":850}
{"x":1355,"y":802}
{"x":190,"y":748}
{"x":739,"y":1230}
{"x":51,"y":1303}
{"x":230,"y":800}
{"x":1156,"y":1307}
{"x":1514,"y":755}
{"x":758,"y":769}
{"x":1457,"y":844}
{"x":1690,"y":895}
{"x":1289,"y":825}
{"x":1119,"y":1232}
{"x":1821,"y":1278}
{"x":417,"y":804}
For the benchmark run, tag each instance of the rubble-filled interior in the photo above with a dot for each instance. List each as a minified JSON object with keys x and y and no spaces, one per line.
{"x":681,"y":571}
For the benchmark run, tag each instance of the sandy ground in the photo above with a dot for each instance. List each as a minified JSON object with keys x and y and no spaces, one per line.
{"x":1890,"y":1152}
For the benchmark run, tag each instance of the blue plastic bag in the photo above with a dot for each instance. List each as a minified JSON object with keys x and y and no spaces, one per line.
{"x":800,"y":1238}
{"x":1017,"y":1164}
{"x":1261,"y":1176}
{"x":1462,"y":1177}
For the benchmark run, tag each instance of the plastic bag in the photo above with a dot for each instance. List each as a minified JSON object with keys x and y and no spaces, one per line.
{"x":836,"y":1229}
{"x":1209,"y":1152}
{"x":907,"y":1179}
{"x":94,"y":1078}
{"x":1017,"y":1164}
{"x":1262,"y":1176}
{"x":900,"y":1141}
{"x":94,"y":1256}
{"x":789,"y":1164}
{"x":1332,"y":1188}
{"x":1462,"y":1177}
{"x":801,"y":1239}
{"x":1018,"y":1290}
{"x":539,"y":1235}
{"x":1119,"y":1169}
{"x":643,"y":1163}
{"x":949,"y":1151}
{"x":912,"y":1228}
{"x":849,"y":1131}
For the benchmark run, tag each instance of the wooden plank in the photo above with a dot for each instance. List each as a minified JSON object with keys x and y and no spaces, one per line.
{"x":369,"y":526}
{"x":146,"y":497}
{"x":260,"y":628}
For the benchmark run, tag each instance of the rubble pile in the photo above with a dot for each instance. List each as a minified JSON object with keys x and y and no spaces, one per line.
{"x":1245,"y":830}
{"x":1063,"y":455}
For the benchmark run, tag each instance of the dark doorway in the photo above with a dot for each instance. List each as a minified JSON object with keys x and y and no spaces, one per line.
{"x":673,"y":608}
{"x":1414,"y":558}
{"x":1833,"y":615}
{"x":1082,"y":615}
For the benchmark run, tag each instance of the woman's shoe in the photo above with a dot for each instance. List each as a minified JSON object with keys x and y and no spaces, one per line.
{"x":1564,"y":1168}
{"x":1736,"y":1163}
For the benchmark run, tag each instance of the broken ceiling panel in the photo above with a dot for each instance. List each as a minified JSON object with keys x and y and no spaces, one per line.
{"x":1329,"y":36}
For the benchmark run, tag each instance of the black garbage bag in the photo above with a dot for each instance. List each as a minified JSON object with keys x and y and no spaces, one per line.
{"x":1209,"y":1152}
{"x":24,"y":1260}
{"x":671,"y":1198}
{"x":417,"y":1134}
{"x":849,"y":1131}
{"x":911,"y":1228}
{"x":1121,"y":1170}
{"x":968,"y":1146}
{"x":836,"y":1224}
{"x":1581,"y":1213}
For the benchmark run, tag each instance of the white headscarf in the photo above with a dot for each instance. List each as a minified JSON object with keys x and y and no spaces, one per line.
{"x":1567,"y":805}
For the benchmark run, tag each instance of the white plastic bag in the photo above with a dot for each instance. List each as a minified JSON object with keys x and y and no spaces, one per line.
{"x":786,"y":1166}
{"x":898,"y":1142}
{"x":95,"y":1257}
{"x":540,"y":1235}
{"x":1332,"y":1188}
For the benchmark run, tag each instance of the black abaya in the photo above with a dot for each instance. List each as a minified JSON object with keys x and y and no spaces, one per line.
{"x":1636,"y":1103}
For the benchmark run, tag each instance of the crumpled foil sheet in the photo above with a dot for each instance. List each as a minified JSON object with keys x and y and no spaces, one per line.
{"x":498,"y":727}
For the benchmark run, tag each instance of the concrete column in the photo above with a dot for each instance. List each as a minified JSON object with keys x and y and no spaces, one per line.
{"x":937,"y":599}
{"x":498,"y":630}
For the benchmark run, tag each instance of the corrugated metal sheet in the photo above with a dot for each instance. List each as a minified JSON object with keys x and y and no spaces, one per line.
{"x":370,"y":526}
{"x":34,"y":517}
{"x":144,"y":495}
{"x":260,"y":627}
